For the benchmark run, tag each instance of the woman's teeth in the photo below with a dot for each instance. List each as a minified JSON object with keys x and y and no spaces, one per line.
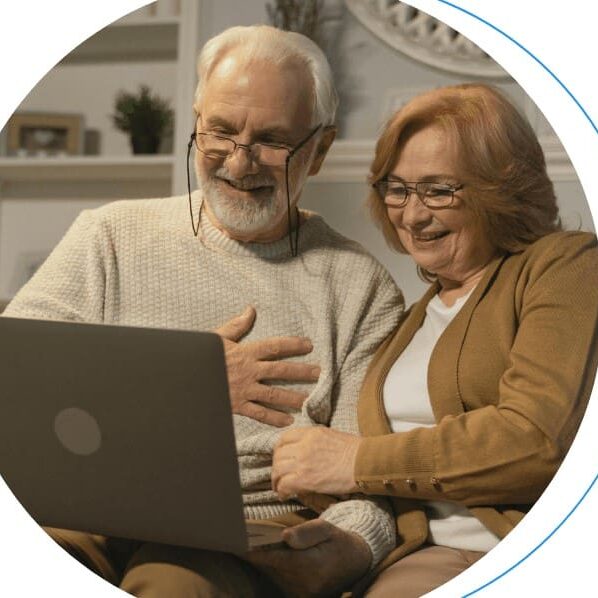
{"x":430,"y":237}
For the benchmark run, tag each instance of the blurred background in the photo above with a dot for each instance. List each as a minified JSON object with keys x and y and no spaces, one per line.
{"x":113,"y":118}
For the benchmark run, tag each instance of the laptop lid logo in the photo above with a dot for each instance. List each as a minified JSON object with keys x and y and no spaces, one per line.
{"x":78,"y":431}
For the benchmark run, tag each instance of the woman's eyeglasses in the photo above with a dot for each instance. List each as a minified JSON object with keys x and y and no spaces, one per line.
{"x":435,"y":196}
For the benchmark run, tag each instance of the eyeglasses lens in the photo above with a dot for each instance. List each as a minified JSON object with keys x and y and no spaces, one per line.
{"x":221,"y":147}
{"x":433,"y":195}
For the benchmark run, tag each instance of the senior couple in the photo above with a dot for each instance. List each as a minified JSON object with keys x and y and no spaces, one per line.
{"x":398,"y":447}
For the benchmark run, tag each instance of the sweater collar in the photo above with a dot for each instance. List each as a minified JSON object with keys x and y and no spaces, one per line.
{"x":216,"y":240}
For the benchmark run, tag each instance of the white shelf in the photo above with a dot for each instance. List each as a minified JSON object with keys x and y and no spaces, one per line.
{"x":173,"y":36}
{"x":141,"y":39}
{"x":86,"y":168}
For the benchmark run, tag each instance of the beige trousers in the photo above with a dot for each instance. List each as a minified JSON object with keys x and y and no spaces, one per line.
{"x":148,"y":570}
{"x":422,"y":571}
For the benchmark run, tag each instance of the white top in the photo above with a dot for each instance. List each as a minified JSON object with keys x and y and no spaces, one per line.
{"x":408,"y":406}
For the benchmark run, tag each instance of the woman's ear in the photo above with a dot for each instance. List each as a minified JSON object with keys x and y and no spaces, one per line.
{"x":324,"y":144}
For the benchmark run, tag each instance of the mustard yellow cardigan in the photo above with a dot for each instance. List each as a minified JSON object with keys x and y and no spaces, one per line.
{"x":509,"y":380}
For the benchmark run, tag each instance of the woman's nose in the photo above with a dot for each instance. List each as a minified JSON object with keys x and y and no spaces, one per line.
{"x":415,"y":212}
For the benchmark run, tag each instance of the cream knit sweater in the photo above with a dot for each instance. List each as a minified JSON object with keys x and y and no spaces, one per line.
{"x":137,"y":263}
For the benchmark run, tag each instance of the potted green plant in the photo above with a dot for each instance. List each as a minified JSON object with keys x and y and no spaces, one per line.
{"x":146,"y":117}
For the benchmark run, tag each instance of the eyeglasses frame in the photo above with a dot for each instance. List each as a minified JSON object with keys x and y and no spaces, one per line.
{"x":290,"y":153}
{"x":411,"y":187}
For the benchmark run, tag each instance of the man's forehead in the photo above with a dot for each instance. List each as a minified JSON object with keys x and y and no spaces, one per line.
{"x":232,"y":64}
{"x":281,"y":94}
{"x":218,"y":117}
{"x":238,"y":62}
{"x":257,"y":74}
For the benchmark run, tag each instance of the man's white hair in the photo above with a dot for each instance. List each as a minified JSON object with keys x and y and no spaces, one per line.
{"x":262,"y":42}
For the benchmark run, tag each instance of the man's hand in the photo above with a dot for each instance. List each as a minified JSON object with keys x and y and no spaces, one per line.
{"x":320,"y":560}
{"x":249,"y":364}
{"x":317,"y":459}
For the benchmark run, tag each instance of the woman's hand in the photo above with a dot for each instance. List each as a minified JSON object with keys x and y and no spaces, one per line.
{"x":248,"y":364}
{"x":314,"y":460}
{"x":319,"y":560}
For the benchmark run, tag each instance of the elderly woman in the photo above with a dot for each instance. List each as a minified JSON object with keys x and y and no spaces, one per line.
{"x":468,"y":409}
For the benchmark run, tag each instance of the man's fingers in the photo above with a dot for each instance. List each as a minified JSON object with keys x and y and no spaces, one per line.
{"x":277,"y":397}
{"x":238,"y":326}
{"x":308,"y":534}
{"x":288,"y":370}
{"x":278,"y":347}
{"x":265,"y":415}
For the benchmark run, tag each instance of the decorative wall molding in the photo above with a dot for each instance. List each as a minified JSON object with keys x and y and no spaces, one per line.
{"x":349,"y":161}
{"x":424,"y":38}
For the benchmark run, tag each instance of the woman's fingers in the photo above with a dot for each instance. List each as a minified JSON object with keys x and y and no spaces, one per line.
{"x":314,"y":459}
{"x":286,"y":464}
{"x":286,"y":483}
{"x":289,"y":437}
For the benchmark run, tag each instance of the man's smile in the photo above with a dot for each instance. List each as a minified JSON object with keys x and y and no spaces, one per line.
{"x":246,"y":187}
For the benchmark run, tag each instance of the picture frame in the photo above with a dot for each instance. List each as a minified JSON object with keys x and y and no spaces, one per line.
{"x":44,"y":134}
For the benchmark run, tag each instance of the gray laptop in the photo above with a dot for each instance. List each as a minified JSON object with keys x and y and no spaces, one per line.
{"x":122,"y":431}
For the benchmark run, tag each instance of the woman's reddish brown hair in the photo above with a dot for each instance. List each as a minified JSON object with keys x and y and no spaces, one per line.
{"x":498,"y":157}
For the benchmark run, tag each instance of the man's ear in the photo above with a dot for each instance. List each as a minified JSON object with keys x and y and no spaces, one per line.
{"x":324,"y":144}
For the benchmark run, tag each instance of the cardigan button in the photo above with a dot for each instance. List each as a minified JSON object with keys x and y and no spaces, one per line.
{"x":436,"y":483}
{"x":411,"y":483}
{"x":362,"y":484}
{"x":387,"y":483}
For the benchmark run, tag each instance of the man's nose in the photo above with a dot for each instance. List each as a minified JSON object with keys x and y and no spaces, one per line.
{"x":241,"y":162}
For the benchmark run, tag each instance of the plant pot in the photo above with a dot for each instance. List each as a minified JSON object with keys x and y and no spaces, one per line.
{"x":145,"y":144}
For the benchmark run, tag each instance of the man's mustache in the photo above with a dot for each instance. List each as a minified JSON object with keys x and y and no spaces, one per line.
{"x":250,"y":181}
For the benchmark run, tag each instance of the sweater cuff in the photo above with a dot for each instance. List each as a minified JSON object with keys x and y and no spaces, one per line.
{"x":368,"y":520}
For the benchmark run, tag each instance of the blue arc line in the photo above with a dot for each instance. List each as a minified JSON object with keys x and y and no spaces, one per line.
{"x":568,"y":92}
{"x":530,"y":54}
{"x":538,"y":546}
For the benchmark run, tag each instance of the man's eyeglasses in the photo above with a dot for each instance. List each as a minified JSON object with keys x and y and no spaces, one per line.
{"x":268,"y":154}
{"x":435,"y":196}
{"x":219,"y":147}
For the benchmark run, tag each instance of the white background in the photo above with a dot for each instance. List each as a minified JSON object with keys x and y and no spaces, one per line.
{"x":36,"y":34}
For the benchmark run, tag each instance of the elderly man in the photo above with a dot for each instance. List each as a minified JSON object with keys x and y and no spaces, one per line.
{"x":265,"y":108}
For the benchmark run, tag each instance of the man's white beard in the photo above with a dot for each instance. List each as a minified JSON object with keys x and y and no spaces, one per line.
{"x":241,"y":216}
